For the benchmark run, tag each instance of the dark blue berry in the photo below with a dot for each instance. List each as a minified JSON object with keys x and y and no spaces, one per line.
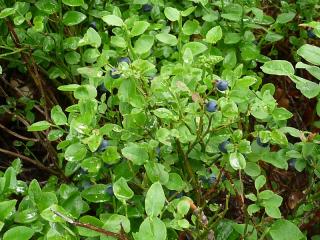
{"x":114,"y":73}
{"x":93,"y":24}
{"x":83,"y":171}
{"x":223,"y":146}
{"x":311,"y":34}
{"x":212,"y":178}
{"x":212,"y":106}
{"x":124,"y":59}
{"x":103,"y":145}
{"x":222,"y":85}
{"x":147,"y":7}
{"x":109,"y":190}
{"x":158,"y":151}
{"x":106,"y":165}
{"x":84,"y":185}
{"x":292,"y":163}
{"x":188,"y":237}
{"x":261,"y":144}
{"x":102,"y":88}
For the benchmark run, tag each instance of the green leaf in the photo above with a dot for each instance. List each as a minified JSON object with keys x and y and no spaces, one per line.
{"x":75,"y":152}
{"x":237,"y":161}
{"x":7,"y":12}
{"x":58,"y":116}
{"x":7,"y":208}
{"x":155,"y":200}
{"x":92,"y":221}
{"x":183,"y":206}
{"x":167,"y":38}
{"x":214,"y":35}
{"x":135,"y":153}
{"x":285,"y":230}
{"x":308,"y":88}
{"x":273,"y":212}
{"x":96,"y":193}
{"x":310,"y":53}
{"x":26,"y":216}
{"x":172,"y":14}
{"x":72,"y":18}
{"x":151,"y":228}
{"x":260,"y":182}
{"x":156,"y":172}
{"x":253,"y":208}
{"x":73,"y":3}
{"x":90,"y":38}
{"x":143,"y":44}
{"x":279,"y":137}
{"x":111,"y":155}
{"x":0,"y":70}
{"x":252,"y":169}
{"x":47,"y":6}
{"x":114,"y":223}
{"x":190,"y":27}
{"x":113,"y":20}
{"x":18,"y":233}
{"x":280,"y":114}
{"x":139,"y":28}
{"x":195,"y":47}
{"x":85,"y":92}
{"x":49,"y":215}
{"x":91,"y":164}
{"x":313,"y":70}
{"x":273,"y":37}
{"x":285,"y":17}
{"x":278,"y":67}
{"x":39,"y":126}
{"x":121,"y":190}
{"x":175,"y":182}
{"x":68,"y":88}
{"x":72,"y":58}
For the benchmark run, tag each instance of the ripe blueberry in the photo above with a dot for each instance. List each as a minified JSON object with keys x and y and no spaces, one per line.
{"x":109,"y":190}
{"x":124,"y":59}
{"x":93,"y":24}
{"x":311,"y":34}
{"x":102,"y":88}
{"x":261,"y":144}
{"x":158,"y":151}
{"x":292,"y":163}
{"x":212,"y":178}
{"x":223,"y":146}
{"x":114,"y":73}
{"x":222,"y":85}
{"x":103,"y":145}
{"x":84,"y":185}
{"x":188,"y":237}
{"x":147,"y":7}
{"x":212,"y":106}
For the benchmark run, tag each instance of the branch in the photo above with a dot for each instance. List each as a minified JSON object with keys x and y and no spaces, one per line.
{"x":30,"y":160}
{"x":120,"y":236}
{"x":18,"y":135}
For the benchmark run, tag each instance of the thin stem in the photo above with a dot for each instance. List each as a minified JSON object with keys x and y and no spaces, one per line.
{"x":120,"y":236}
{"x":27,"y":159}
{"x":18,"y":135}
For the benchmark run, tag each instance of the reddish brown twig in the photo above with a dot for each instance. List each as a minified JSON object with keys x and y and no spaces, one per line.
{"x":27,"y":159}
{"x":120,"y":236}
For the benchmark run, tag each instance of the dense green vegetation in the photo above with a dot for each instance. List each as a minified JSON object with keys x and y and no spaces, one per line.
{"x":137,"y":119}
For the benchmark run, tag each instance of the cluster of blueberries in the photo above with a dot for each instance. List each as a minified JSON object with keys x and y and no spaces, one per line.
{"x":212,"y":105}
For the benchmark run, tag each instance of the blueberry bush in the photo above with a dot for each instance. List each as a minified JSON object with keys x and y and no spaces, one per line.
{"x":152,"y":119}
